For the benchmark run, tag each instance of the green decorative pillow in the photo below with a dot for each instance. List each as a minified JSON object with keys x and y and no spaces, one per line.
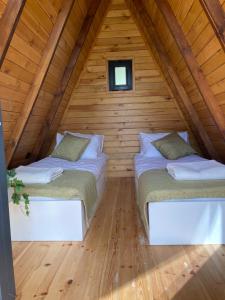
{"x":70,"y":148}
{"x":173,"y":146}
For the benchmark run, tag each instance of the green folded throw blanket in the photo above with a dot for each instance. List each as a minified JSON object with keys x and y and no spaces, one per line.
{"x":72,"y":184}
{"x":158,"y":185}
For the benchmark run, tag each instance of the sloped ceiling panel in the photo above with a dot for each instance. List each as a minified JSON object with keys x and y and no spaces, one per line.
{"x":208,"y":53}
{"x":53,"y":76}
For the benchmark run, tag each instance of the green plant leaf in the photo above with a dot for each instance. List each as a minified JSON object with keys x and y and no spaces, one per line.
{"x":17,"y":186}
{"x":16,"y":198}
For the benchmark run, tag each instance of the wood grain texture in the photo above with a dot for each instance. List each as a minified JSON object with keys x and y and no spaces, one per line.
{"x":93,"y":108}
{"x":149,"y":32}
{"x":53,"y":78}
{"x":207,"y":51}
{"x":8,"y":23}
{"x":39,"y":78}
{"x":22,"y":59}
{"x":115,"y":262}
{"x":118,"y":120}
{"x":193,"y":65}
{"x":43,"y":144}
{"x":216,"y":15}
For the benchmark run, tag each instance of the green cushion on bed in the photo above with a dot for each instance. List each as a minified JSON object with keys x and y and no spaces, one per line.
{"x":70,"y":148}
{"x":173,"y":147}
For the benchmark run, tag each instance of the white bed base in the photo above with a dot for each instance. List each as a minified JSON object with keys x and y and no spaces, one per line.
{"x":186,"y":222}
{"x":52,"y":219}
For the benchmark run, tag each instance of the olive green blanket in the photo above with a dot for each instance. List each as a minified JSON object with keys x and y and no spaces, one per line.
{"x":72,"y":184}
{"x":158,"y":185}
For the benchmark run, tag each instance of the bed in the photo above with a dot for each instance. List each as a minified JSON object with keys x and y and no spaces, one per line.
{"x":180,"y":221}
{"x":57,"y":219}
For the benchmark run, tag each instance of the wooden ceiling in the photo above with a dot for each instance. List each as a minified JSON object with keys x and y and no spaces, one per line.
{"x":45,"y":45}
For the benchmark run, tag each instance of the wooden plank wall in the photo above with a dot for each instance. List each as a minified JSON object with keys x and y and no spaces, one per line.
{"x":2,"y":7}
{"x":54,"y":74}
{"x":120,"y":116}
{"x":91,"y":36}
{"x":208,"y":52}
{"x":23,"y":57}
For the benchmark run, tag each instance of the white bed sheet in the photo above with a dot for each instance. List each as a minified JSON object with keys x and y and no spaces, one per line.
{"x":95,"y":166}
{"x":143,"y":163}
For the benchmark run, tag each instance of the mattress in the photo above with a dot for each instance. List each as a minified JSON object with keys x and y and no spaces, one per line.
{"x":143,"y":163}
{"x":201,"y":219}
{"x":95,"y":166}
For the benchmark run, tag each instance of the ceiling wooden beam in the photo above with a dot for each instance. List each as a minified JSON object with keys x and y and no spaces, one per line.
{"x":39,"y":78}
{"x":216,"y":16}
{"x":8,"y":23}
{"x":147,"y":27}
{"x":193,"y":66}
{"x":44,"y":142}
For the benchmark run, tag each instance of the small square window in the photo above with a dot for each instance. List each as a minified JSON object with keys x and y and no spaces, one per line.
{"x":120,"y":75}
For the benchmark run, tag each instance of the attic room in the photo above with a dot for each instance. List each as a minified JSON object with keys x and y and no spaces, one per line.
{"x":112,"y":149}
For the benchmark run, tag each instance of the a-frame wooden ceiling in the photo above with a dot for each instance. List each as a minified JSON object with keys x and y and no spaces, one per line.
{"x":59,"y":35}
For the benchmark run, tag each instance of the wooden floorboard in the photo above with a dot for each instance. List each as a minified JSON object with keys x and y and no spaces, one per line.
{"x":115,"y":262}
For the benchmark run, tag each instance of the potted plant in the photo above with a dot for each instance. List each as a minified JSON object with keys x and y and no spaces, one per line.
{"x":16,"y":190}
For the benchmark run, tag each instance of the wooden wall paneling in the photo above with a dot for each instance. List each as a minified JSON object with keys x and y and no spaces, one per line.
{"x":21,"y":62}
{"x":51,"y":8}
{"x":51,"y":83}
{"x":83,"y":43}
{"x":8,"y":23}
{"x":187,"y":24}
{"x":11,"y":87}
{"x":120,"y":116}
{"x":39,"y":78}
{"x":25,"y":52}
{"x":192,"y":64}
{"x":56,"y":68}
{"x":210,"y":57}
{"x":145,"y":23}
{"x":216,"y":15}
{"x":2,"y":7}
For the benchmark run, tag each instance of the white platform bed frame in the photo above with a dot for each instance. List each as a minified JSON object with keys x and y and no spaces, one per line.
{"x":186,"y":221}
{"x":52,"y":219}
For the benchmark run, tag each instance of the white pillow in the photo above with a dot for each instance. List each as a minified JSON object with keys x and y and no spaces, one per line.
{"x":94,"y":148}
{"x":146,"y":139}
{"x":59,"y":138}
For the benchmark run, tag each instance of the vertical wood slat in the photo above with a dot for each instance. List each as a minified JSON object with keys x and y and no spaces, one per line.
{"x":193,"y":66}
{"x":42,"y":144}
{"x":39,"y":78}
{"x":145,"y":22}
{"x":216,"y":16}
{"x":8,"y":23}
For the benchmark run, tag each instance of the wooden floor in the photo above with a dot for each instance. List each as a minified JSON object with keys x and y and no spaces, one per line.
{"x":114,"y":262}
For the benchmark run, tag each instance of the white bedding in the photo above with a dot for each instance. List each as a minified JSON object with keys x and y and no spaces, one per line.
{"x":31,"y":175}
{"x":143,"y":163}
{"x":95,"y":166}
{"x":201,"y":170}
